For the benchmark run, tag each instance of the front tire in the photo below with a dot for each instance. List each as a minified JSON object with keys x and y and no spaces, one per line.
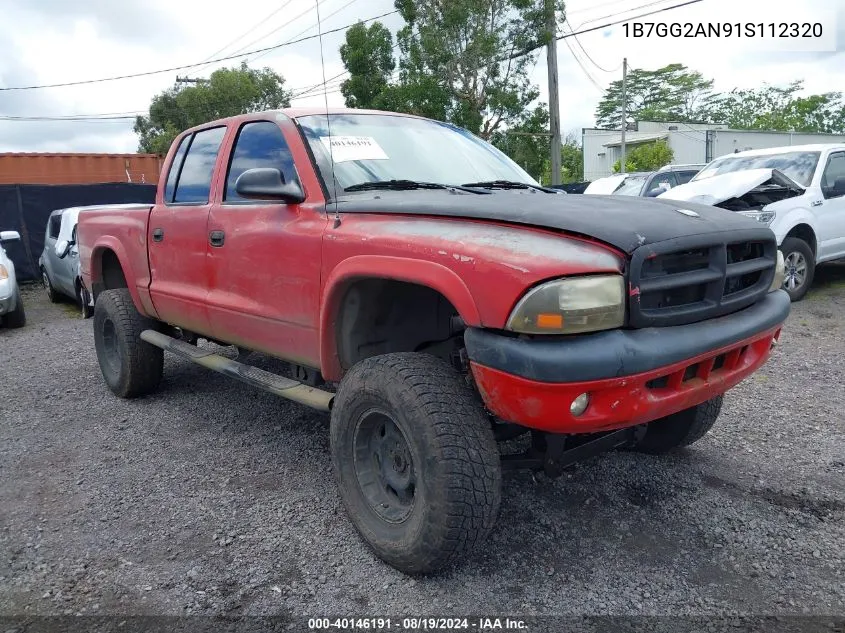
{"x":130,"y":366}
{"x":800,"y":266}
{"x":415,"y":459}
{"x":52,"y":295}
{"x":680,"y":429}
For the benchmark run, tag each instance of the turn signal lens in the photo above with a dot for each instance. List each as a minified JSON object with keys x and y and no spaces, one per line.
{"x":4,"y":274}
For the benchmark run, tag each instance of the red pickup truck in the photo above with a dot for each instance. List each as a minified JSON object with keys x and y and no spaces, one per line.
{"x":435,"y":299}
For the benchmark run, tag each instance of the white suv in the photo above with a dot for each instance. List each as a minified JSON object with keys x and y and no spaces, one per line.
{"x":798,"y":191}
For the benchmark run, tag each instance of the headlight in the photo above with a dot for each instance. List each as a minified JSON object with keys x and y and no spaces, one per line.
{"x":765,"y":217}
{"x":4,"y":274}
{"x":571,"y":306}
{"x":780,"y":273}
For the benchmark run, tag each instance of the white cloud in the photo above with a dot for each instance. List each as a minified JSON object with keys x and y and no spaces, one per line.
{"x":56,"y":41}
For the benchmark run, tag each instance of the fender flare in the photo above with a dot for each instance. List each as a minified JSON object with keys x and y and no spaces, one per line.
{"x":425,"y":273}
{"x":794,"y":217}
{"x":107,"y":242}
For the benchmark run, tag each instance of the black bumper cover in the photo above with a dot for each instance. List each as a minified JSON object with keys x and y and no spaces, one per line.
{"x":616,"y":353}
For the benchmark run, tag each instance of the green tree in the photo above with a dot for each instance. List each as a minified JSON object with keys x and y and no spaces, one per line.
{"x":779,"y":108}
{"x":229,"y":91}
{"x":463,"y":61}
{"x":368,"y":56}
{"x":528,"y":142}
{"x":572,"y":160}
{"x":671,"y":93}
{"x":646,"y":157}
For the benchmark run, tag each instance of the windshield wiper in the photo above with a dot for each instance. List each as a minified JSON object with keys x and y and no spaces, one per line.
{"x":507,"y":184}
{"x":404,"y":185}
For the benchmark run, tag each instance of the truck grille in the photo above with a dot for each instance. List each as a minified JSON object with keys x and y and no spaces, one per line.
{"x":692,"y":279}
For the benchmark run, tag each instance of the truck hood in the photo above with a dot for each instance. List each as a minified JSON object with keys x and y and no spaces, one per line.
{"x":718,"y":189}
{"x":623,"y":222}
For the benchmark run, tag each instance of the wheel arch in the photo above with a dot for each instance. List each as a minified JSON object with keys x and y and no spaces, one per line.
{"x":361,"y":271}
{"x":111,"y":269}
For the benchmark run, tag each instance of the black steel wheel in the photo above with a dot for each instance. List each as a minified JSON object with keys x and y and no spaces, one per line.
{"x":415,"y":460}
{"x":130,"y":366}
{"x":384,"y":466}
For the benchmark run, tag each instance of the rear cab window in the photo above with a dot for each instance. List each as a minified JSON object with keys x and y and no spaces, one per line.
{"x":193,"y":182}
{"x":258,"y":144}
{"x":54,"y":226}
{"x":175,"y":166}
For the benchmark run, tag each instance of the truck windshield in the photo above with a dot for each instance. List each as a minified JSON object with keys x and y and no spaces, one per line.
{"x":799,"y":166}
{"x":376,"y":147}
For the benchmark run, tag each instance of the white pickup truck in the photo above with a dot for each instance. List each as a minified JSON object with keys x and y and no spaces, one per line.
{"x":798,"y":191}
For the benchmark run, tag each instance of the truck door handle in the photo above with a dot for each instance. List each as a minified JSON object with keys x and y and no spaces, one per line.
{"x":216,"y":238}
{"x":158,"y":235}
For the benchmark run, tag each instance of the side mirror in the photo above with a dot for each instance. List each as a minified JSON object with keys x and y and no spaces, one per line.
{"x":9,"y":236}
{"x":266,"y":183}
{"x":63,"y":248}
{"x":656,"y":192}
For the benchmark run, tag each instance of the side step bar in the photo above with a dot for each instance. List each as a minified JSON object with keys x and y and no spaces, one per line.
{"x":278,"y":385}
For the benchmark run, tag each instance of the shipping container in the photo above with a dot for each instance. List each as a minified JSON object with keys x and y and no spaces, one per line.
{"x":76,"y":169}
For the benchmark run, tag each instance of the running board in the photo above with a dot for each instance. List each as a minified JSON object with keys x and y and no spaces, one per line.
{"x":275,"y":384}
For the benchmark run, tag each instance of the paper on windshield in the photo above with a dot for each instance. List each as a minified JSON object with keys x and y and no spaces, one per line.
{"x":346,"y":148}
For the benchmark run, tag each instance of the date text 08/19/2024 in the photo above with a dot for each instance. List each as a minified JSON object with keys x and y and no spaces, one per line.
{"x":418,"y":624}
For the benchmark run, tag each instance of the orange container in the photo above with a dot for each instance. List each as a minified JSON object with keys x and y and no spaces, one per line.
{"x":77,"y":169}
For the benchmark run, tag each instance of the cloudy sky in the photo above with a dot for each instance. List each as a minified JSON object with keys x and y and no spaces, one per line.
{"x":56,"y":41}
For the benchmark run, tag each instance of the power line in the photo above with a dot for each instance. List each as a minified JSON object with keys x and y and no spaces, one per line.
{"x":194,"y":65}
{"x":276,"y":30}
{"x":244,"y":34}
{"x":305,"y":30}
{"x":598,"y":6}
{"x":583,"y":68}
{"x":67,"y":119}
{"x":584,"y":50}
{"x":637,"y":8}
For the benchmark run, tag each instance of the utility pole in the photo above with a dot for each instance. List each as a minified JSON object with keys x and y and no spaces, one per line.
{"x":554,"y":99}
{"x":188,"y":80}
{"x":624,"y":112}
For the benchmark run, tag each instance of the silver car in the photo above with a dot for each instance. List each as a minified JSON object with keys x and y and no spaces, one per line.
{"x":59,"y":262}
{"x":11,"y":305}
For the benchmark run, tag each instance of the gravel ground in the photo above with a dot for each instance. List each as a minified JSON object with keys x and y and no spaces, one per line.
{"x":212,"y":498}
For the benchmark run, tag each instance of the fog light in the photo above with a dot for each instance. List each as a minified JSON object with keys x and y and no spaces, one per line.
{"x":580,"y":404}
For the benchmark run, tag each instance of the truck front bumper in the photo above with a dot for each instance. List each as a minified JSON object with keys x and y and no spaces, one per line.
{"x":631,"y":376}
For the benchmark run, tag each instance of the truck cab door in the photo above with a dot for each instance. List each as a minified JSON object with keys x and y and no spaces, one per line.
{"x":177,"y":235}
{"x":264,"y":256}
{"x":831,"y":210}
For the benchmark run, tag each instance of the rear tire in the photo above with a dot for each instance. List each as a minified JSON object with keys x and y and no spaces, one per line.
{"x":130,"y":366}
{"x":680,"y":429}
{"x":415,"y":459}
{"x":800,"y":267}
{"x":52,"y":295}
{"x":17,"y":317}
